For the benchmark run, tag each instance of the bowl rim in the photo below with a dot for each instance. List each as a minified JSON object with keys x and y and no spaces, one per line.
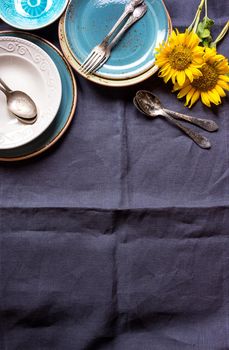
{"x":55,"y":70}
{"x":108,"y":82}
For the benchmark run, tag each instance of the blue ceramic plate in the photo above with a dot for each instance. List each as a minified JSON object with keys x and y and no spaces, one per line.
{"x":31,"y":14}
{"x":88,"y":22}
{"x":65,"y":113}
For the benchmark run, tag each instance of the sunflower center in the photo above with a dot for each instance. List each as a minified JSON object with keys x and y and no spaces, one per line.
{"x":208,"y":80}
{"x":180,"y":58}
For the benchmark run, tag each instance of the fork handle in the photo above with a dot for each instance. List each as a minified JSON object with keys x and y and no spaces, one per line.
{"x":205,"y":124}
{"x":127,"y":25}
{"x":129,"y":9}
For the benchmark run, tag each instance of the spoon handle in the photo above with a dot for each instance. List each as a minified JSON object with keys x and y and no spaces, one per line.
{"x":200,"y":140}
{"x":5,"y":86}
{"x":129,"y":9}
{"x":4,"y":90}
{"x":205,"y":124}
{"x":138,"y":13}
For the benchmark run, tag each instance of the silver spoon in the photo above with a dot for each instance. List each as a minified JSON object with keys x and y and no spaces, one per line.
{"x":205,"y":124}
{"x":20,"y":104}
{"x":143,"y":101}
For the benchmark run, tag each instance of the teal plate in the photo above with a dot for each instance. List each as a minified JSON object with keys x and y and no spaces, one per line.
{"x":31,"y":14}
{"x":88,"y":22}
{"x":65,"y":113}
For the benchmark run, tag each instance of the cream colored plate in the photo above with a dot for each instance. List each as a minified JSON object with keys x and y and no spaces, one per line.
{"x":26,"y":67}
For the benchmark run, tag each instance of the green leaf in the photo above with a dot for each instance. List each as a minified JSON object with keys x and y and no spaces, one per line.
{"x":204,"y":31}
{"x":207,"y":42}
{"x":208,"y":22}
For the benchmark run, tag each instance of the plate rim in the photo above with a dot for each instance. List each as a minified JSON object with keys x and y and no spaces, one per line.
{"x":73,"y":107}
{"x":55,"y":75}
{"x":37,"y":27}
{"x":102,"y":80}
{"x":107,"y":76}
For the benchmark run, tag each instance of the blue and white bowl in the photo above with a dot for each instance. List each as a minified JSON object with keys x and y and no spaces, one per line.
{"x":31,"y":14}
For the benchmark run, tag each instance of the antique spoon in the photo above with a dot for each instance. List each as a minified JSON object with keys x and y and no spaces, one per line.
{"x":143,"y":101}
{"x":205,"y":124}
{"x":20,"y":104}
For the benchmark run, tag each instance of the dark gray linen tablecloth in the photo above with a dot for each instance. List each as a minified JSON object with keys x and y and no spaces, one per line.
{"x":117,"y":238}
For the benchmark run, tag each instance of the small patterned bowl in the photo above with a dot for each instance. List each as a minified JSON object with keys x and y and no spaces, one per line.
{"x":31,"y":14}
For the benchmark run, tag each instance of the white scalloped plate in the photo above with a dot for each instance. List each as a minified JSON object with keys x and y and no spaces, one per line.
{"x":26,"y":67}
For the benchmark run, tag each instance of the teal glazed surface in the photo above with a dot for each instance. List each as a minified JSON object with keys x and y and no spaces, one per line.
{"x":88,"y":22}
{"x":65,"y":107}
{"x":31,"y":14}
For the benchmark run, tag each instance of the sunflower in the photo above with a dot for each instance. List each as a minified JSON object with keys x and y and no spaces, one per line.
{"x":180,"y":57}
{"x":211,"y":85}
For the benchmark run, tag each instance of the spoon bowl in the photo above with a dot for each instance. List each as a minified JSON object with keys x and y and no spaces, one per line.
{"x":145,"y":101}
{"x":20,"y":104}
{"x":135,"y":101}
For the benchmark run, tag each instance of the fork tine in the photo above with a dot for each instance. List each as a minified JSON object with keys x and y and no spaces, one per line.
{"x":89,"y":57}
{"x":86,"y":60}
{"x":95,"y":63}
{"x":100,"y":64}
{"x":97,"y":66}
{"x":90,"y":62}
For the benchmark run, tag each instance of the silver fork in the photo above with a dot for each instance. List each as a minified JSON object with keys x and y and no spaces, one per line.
{"x":104,"y":51}
{"x":96,"y":52}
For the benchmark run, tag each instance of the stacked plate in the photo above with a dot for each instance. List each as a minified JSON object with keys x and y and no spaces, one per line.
{"x":34,"y":66}
{"x":86,"y":23}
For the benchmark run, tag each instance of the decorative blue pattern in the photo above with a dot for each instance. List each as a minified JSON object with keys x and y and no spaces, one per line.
{"x":31,"y":14}
{"x":64,"y":110}
{"x":32,"y":8}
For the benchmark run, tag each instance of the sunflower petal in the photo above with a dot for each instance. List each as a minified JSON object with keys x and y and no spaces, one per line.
{"x":214,"y":98}
{"x":223,"y":84}
{"x":169,"y":75}
{"x":194,"y":98}
{"x":183,"y":92}
{"x":224,"y":78}
{"x":220,"y":91}
{"x":176,"y":87}
{"x":174,"y":77}
{"x":181,"y":78}
{"x":189,"y":95}
{"x":196,"y":72}
{"x":216,"y":94}
{"x":205,"y":99}
{"x":189,"y":74}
